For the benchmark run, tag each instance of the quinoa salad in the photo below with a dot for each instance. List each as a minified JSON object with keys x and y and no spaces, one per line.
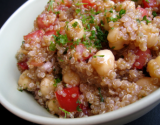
{"x":89,"y":57}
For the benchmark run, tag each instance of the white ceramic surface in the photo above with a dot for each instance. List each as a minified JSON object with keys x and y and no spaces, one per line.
{"x":23,"y":104}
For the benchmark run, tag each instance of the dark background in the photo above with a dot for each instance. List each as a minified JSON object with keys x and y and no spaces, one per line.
{"x":7,"y":8}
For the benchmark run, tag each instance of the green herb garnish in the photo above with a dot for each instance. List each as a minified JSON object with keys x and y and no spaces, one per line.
{"x":78,"y":11}
{"x":154,"y":14}
{"x":145,"y":19}
{"x":138,"y":20}
{"x":113,"y":47}
{"x":75,"y":24}
{"x":56,"y":81}
{"x":102,"y":99}
{"x":78,"y":108}
{"x":98,"y":56}
{"x":78,"y":4}
{"x":50,"y":5}
{"x":79,"y":102}
{"x":147,"y":1}
{"x":52,"y":46}
{"x":65,"y":112}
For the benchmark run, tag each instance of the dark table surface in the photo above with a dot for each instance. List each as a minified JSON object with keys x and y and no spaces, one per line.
{"x":7,"y":7}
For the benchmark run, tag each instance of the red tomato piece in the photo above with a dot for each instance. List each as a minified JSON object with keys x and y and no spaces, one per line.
{"x":150,"y":3}
{"x":44,"y":21}
{"x":67,"y":3}
{"x":143,"y":11}
{"x":88,"y":3}
{"x":80,"y":49}
{"x":53,"y":32}
{"x":69,"y":101}
{"x":36,"y":63}
{"x":23,"y":65}
{"x":34,"y":35}
{"x":143,"y":58}
{"x":41,"y":24}
{"x":116,"y":1}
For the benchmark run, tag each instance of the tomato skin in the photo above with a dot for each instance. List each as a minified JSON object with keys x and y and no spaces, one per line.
{"x":33,"y":35}
{"x":23,"y":65}
{"x":41,"y":24}
{"x":53,"y":32}
{"x":116,"y":1}
{"x":68,"y":102}
{"x":151,"y":3}
{"x":143,"y":11}
{"x":143,"y":57}
{"x":89,"y":3}
{"x":67,"y":3}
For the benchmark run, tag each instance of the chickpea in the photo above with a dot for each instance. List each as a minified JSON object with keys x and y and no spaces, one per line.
{"x":74,"y":29}
{"x":25,"y":82}
{"x":46,"y":86}
{"x":71,"y":78}
{"x":153,"y":67}
{"x":52,"y":105}
{"x":114,"y":40}
{"x":147,"y":86}
{"x":103,"y":62}
{"x":147,"y":36}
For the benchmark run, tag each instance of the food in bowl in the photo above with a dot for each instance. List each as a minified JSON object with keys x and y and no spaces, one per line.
{"x":85,"y":58}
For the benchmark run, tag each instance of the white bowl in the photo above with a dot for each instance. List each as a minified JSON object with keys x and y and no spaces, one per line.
{"x":23,"y":104}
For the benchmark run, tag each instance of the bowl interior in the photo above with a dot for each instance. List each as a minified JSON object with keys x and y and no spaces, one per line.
{"x":22,"y":103}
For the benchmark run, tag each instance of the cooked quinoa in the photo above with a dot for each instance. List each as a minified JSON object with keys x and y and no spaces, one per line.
{"x":89,"y":57}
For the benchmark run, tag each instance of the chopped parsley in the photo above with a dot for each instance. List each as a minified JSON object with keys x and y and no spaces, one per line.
{"x":102,"y":24}
{"x":70,"y":57}
{"x":138,"y":20}
{"x":57,"y":12}
{"x":98,"y":56}
{"x":91,"y":20}
{"x":121,"y":12}
{"x":102,"y":99}
{"x":78,"y":11}
{"x":113,"y":19}
{"x":147,"y":1}
{"x":75,"y":24}
{"x":52,"y":46}
{"x":61,"y":39}
{"x":50,"y":5}
{"x":79,"y":102}
{"x":78,"y":4}
{"x":154,"y":14}
{"x":65,"y":52}
{"x":23,"y":42}
{"x":78,"y":108}
{"x":48,"y":109}
{"x":111,"y":11}
{"x":83,"y":19}
{"x":65,"y":112}
{"x":93,"y":35}
{"x":21,"y":90}
{"x":56,"y":81}
{"x":113,"y":47}
{"x":112,"y":28}
{"x":62,"y":1}
{"x":145,"y":19}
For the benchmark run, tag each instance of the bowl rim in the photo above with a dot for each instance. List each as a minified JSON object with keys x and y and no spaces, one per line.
{"x":107,"y":117}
